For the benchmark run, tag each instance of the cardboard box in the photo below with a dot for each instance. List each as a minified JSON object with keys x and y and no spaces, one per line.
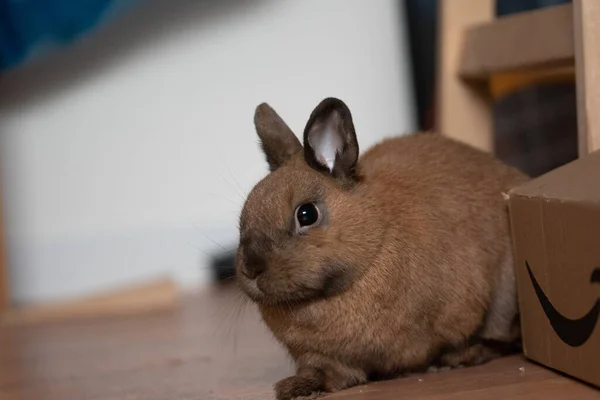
{"x":555,"y":221}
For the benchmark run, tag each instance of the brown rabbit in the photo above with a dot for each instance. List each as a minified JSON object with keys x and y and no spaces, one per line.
{"x":374,"y":267}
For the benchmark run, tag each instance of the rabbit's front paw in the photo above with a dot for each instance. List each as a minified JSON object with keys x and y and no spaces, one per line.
{"x":299,"y":387}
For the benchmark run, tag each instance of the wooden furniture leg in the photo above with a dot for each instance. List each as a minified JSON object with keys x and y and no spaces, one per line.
{"x":586,"y":25}
{"x":4,"y":293}
{"x":463,"y":108}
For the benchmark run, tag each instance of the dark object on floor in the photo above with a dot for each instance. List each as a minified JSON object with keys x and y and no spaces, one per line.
{"x":223,"y":266}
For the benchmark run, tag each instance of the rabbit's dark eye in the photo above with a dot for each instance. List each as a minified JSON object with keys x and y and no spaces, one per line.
{"x":307,"y":215}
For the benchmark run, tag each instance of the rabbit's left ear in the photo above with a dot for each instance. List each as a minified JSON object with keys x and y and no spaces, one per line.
{"x":330,"y":143}
{"x":276,"y":139}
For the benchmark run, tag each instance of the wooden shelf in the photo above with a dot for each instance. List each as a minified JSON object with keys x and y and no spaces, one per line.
{"x":475,"y":49}
{"x":530,"y":40}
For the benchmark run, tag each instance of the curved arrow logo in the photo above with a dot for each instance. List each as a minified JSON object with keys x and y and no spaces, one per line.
{"x":574,"y":332}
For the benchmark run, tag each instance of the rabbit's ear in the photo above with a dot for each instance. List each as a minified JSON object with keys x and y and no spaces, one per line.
{"x":330,"y":143}
{"x":277,"y":140}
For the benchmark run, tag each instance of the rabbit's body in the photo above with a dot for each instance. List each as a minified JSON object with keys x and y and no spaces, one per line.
{"x":409,"y":266}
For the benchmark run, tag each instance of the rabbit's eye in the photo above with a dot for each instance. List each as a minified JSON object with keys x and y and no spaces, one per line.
{"x":307,"y":215}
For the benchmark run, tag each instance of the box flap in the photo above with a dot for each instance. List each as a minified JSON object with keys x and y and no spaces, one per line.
{"x":577,"y":181}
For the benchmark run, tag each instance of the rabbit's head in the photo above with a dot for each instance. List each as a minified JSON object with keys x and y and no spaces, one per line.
{"x":306,"y":231}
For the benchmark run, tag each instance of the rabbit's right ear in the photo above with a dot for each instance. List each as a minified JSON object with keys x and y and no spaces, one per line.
{"x":330,"y":143}
{"x":277,"y":140}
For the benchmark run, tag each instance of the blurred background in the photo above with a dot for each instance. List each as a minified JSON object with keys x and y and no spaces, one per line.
{"x":126,"y":138}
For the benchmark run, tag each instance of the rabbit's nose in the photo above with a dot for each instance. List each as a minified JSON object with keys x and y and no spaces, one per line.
{"x":252,"y":271}
{"x":254,"y":264}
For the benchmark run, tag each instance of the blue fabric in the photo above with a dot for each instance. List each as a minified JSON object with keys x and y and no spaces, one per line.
{"x":32,"y":27}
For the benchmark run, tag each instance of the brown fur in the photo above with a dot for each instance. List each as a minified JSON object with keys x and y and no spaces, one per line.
{"x":410,"y":267}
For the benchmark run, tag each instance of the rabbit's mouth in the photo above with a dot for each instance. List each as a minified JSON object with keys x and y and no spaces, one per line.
{"x":264,"y":292}
{"x":251,"y":289}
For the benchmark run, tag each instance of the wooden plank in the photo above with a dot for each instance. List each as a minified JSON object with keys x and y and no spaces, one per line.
{"x":586,"y":17}
{"x":463,"y":109}
{"x":529,"y":40}
{"x":4,"y":296}
{"x":153,"y":296}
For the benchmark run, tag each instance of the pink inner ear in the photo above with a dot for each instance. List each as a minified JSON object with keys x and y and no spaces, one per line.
{"x":326,"y":142}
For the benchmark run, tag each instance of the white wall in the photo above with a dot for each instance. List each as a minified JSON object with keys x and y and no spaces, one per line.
{"x":125,"y":156}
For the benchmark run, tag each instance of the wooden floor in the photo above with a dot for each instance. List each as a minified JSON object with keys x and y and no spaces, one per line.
{"x":210,"y":349}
